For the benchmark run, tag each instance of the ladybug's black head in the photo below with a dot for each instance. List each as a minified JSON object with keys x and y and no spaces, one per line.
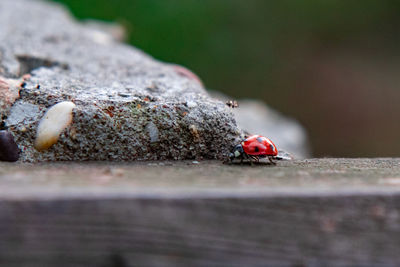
{"x":237,"y":152}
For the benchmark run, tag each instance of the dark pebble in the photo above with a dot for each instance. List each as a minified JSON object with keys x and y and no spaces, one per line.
{"x":8,"y":148}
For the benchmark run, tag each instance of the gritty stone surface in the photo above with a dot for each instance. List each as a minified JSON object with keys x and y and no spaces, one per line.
{"x":23,"y":113}
{"x":128,"y":105}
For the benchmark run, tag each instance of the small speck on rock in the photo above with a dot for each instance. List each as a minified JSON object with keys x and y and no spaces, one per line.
{"x":124,"y":95}
{"x":191,"y":104}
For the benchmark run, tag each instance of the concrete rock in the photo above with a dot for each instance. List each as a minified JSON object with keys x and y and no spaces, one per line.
{"x":128,"y":105}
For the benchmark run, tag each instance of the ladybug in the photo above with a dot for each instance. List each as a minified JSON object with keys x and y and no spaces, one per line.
{"x":253,"y":148}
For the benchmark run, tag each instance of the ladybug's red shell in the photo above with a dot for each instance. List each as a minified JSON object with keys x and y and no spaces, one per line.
{"x":257,"y":145}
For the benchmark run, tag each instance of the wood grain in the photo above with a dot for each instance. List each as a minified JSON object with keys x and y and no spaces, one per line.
{"x":240,"y":228}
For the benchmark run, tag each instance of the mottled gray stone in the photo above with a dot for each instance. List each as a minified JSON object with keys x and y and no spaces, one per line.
{"x":118,"y":91}
{"x":152,"y":130}
{"x":22,"y":112}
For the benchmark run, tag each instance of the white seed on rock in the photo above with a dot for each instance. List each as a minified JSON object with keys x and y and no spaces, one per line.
{"x":53,"y":123}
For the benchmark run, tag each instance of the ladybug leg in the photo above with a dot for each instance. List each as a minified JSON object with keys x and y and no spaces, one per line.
{"x":255,"y":158}
{"x":270,"y":159}
{"x":247,"y":157}
{"x":242,"y":158}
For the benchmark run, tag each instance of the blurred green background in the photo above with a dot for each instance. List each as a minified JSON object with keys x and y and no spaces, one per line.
{"x":334,"y":65}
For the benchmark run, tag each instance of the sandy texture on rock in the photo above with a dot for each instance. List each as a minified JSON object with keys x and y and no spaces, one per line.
{"x":128,"y":105}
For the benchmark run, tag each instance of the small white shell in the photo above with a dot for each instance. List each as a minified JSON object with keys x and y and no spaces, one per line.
{"x":53,"y":123}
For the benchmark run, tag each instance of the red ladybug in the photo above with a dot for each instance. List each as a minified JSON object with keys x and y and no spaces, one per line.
{"x":253,"y":148}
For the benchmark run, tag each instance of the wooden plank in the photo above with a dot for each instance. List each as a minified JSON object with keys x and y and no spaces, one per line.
{"x":102,"y":225}
{"x":292,"y":231}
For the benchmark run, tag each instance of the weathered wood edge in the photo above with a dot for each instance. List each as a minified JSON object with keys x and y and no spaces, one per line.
{"x":190,"y":193}
{"x":360,"y":229}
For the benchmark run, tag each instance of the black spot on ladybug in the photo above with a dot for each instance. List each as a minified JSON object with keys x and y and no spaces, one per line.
{"x":256,"y":149}
{"x":259,"y":139}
